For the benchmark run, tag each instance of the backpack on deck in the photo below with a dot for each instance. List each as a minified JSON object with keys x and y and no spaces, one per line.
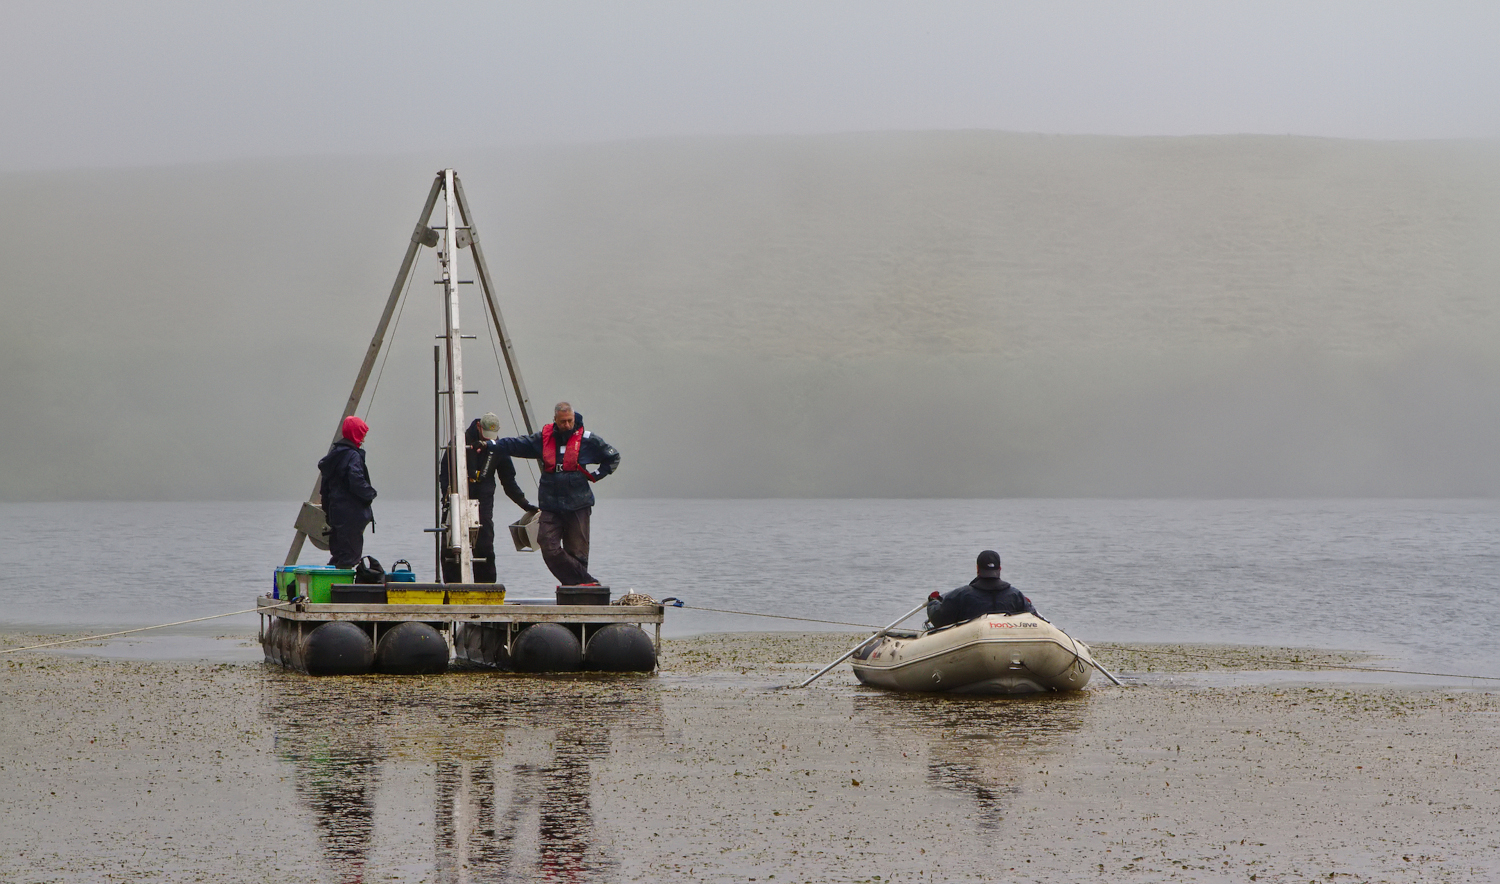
{"x":369,"y":570}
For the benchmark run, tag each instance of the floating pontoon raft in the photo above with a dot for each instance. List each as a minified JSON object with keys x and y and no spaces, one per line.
{"x":530,"y":635}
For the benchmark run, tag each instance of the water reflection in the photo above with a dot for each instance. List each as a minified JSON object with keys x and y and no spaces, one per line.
{"x":981,"y":747}
{"x":509,"y":761}
{"x":338,"y":782}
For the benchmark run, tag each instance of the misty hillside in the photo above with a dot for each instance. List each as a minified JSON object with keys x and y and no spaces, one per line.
{"x":890,"y":314}
{"x":947,"y":244}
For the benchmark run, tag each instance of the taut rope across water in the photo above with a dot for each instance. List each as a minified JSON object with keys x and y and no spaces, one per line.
{"x":678,"y":604}
{"x":85,"y":638}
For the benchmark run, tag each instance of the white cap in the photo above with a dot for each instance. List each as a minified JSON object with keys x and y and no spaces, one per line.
{"x":489,"y":426}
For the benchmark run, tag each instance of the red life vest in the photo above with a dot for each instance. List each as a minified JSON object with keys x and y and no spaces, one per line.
{"x":570,"y":454}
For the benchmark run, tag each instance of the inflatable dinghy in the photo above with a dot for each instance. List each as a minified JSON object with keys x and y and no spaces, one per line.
{"x":993,"y":654}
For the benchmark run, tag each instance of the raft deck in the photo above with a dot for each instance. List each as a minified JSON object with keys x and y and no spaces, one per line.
{"x":524,"y":611}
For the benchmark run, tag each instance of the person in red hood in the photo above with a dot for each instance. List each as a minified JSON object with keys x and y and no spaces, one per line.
{"x":347,"y":494}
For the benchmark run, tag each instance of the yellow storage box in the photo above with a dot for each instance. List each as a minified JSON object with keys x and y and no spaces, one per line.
{"x":396,"y":596}
{"x":495,"y":596}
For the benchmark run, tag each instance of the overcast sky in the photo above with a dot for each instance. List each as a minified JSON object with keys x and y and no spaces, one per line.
{"x":115,"y":83}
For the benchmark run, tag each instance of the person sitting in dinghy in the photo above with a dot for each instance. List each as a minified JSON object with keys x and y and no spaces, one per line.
{"x":985,"y":594}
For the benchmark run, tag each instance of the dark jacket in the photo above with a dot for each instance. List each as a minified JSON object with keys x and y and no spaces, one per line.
{"x":346,"y":488}
{"x":485,"y":464}
{"x":566,"y":491}
{"x":983,"y":595}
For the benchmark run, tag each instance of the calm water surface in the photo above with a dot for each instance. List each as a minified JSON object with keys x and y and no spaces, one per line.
{"x":1414,"y":580}
{"x":471,"y":777}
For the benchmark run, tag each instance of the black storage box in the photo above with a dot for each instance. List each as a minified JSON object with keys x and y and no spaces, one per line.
{"x":583,"y":595}
{"x":357,"y":594}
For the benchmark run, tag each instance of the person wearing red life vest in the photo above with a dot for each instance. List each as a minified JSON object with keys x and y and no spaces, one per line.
{"x":565,"y":450}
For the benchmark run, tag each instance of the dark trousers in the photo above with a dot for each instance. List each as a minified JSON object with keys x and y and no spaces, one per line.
{"x":484,"y":546}
{"x":564,"y":538}
{"x":346,"y":544}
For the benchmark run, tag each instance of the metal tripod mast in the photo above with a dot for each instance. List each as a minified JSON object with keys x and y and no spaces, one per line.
{"x":456,"y":232}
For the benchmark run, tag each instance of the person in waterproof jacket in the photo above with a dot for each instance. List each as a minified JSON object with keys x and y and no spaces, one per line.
{"x":985,"y":594}
{"x":485,"y":465}
{"x":347,"y":494}
{"x":565,"y":449}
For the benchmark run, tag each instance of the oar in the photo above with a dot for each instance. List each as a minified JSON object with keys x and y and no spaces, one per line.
{"x":849,"y":653}
{"x":1089,"y":655}
{"x":1103,"y":670}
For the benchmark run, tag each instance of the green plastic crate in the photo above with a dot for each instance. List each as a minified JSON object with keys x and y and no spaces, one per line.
{"x":313,"y":581}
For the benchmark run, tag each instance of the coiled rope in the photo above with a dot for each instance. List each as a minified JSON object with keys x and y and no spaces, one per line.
{"x":87,"y":638}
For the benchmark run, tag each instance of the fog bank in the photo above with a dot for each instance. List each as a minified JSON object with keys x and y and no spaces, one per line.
{"x":939,"y":314}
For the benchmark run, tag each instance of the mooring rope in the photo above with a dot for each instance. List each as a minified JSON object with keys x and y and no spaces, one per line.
{"x":677,"y":604}
{"x":509,"y":409}
{"x":68,"y":641}
{"x":775,"y":616}
{"x":1341,"y":666}
{"x":390,"y":339}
